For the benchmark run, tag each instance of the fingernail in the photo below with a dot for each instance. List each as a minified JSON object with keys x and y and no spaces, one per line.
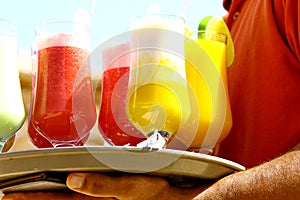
{"x":76,"y":181}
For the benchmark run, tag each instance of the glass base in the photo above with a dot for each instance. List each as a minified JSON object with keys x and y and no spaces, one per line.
{"x":202,"y":150}
{"x":57,"y":144}
{"x":5,"y":145}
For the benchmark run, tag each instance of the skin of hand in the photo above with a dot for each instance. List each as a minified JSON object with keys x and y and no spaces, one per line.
{"x":50,"y":196}
{"x":275,"y":180}
{"x":89,"y":186}
{"x":130,"y":187}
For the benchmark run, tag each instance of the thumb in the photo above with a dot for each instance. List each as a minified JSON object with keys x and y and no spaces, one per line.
{"x":92,"y":184}
{"x":120,"y":187}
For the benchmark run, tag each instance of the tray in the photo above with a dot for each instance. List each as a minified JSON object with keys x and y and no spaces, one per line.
{"x":174,"y":164}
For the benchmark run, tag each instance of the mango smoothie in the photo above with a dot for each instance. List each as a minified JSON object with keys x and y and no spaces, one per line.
{"x":212,"y":107}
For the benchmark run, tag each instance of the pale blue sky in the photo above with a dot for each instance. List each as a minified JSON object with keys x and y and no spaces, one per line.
{"x":110,"y":16}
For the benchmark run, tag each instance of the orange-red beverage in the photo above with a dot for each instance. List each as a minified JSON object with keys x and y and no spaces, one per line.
{"x":113,"y":123}
{"x":63,"y":110}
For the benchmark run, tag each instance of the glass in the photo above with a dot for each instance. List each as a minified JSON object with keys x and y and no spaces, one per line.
{"x":212,"y":108}
{"x":157,"y":96}
{"x":12,"y":111}
{"x":63,"y":110}
{"x":113,"y":122}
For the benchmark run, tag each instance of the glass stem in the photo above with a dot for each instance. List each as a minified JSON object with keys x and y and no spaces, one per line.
{"x":6,"y":143}
{"x":2,"y":144}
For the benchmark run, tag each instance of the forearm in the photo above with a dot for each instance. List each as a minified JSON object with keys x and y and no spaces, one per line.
{"x":277,"y":179}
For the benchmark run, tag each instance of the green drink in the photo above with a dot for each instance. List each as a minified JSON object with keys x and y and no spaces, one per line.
{"x":12,"y":112}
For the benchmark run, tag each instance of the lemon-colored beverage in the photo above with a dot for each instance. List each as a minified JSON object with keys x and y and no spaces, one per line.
{"x":212,"y":108}
{"x":157,"y":96}
{"x":159,"y":106}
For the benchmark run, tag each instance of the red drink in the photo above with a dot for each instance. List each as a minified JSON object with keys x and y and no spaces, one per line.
{"x":113,"y":123}
{"x":63,"y":110}
{"x":41,"y":142}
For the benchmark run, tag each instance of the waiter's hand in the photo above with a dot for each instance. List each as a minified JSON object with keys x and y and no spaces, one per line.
{"x":125,"y":187}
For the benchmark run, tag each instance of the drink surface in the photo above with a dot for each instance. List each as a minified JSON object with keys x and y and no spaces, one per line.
{"x":113,"y":123}
{"x":12,"y":112}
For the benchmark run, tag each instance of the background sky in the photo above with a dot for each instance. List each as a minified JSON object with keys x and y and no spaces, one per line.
{"x":110,"y":16}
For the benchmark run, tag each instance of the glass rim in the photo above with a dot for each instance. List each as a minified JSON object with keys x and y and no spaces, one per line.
{"x":161,"y":14}
{"x":214,"y":32}
{"x":38,"y":28}
{"x":10,"y":26}
{"x":214,"y":36}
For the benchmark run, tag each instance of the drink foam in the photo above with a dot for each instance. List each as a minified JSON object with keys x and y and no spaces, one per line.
{"x":154,"y":18}
{"x":63,"y":39}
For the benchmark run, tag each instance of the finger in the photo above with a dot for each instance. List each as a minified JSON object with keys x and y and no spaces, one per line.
{"x":49,"y":196}
{"x":120,"y":187}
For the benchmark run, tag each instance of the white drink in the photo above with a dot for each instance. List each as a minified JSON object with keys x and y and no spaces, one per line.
{"x":12,"y":112}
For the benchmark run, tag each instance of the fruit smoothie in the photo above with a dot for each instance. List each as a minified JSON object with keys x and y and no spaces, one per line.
{"x":158,"y":97}
{"x":161,"y":104}
{"x":209,"y":97}
{"x":113,"y":123}
{"x":63,"y":110}
{"x":12,"y":112}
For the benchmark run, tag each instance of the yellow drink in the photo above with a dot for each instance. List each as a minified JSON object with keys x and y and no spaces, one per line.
{"x":212,"y":108}
{"x":157,"y":96}
{"x":159,"y":103}
{"x":154,"y":106}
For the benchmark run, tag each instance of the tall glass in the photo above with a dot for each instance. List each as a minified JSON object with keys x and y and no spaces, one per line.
{"x":113,"y":122}
{"x":157,"y":96}
{"x":212,"y":107}
{"x":63,"y":110}
{"x":12,"y":111}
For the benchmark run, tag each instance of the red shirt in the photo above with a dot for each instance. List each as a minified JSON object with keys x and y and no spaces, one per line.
{"x":264,"y":80}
